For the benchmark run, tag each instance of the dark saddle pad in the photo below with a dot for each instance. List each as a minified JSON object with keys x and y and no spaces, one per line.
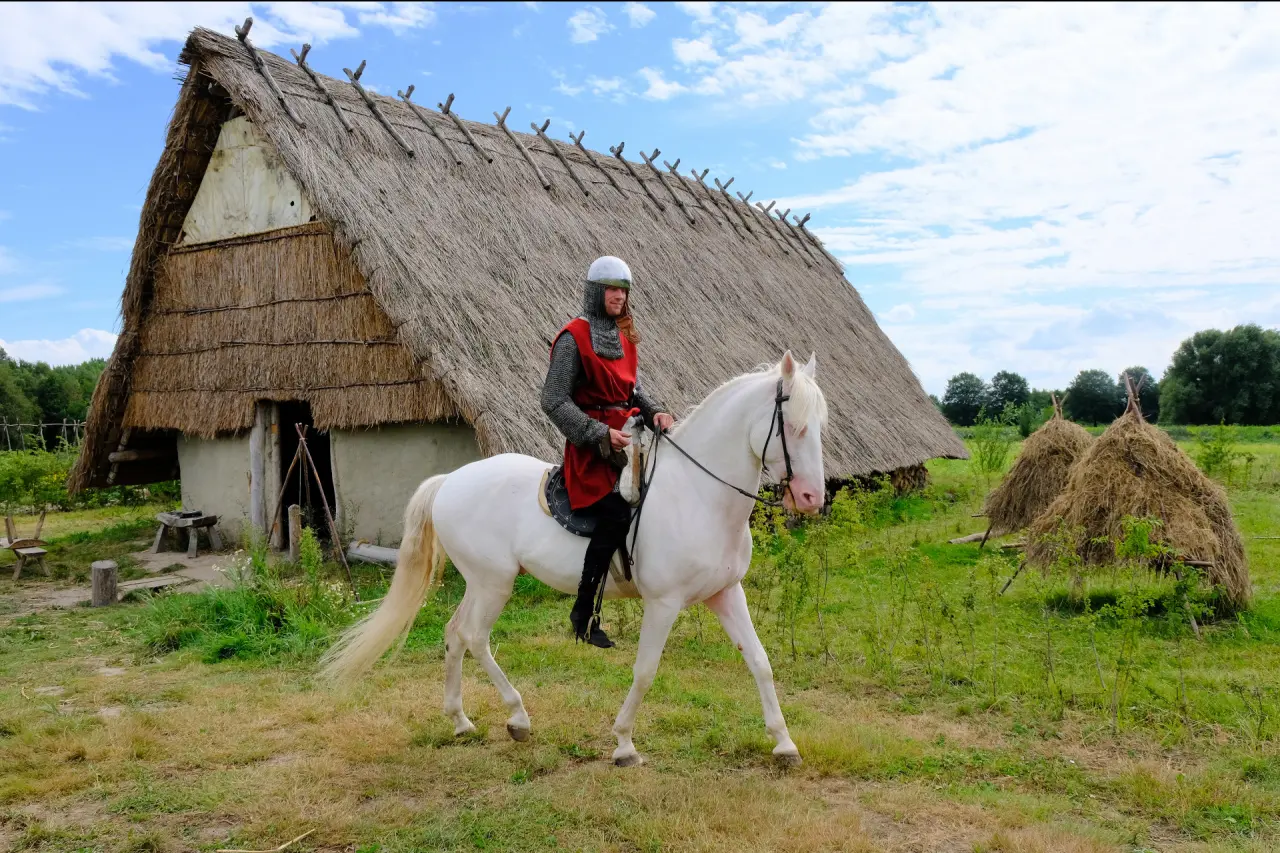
{"x":557,"y":497}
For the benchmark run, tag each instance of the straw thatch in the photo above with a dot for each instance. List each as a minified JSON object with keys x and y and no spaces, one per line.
{"x":471,"y":269}
{"x":1038,"y":475}
{"x":1135,"y":469}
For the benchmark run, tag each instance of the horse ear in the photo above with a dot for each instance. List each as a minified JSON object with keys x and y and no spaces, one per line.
{"x":812,"y":366}
{"x":788,"y":366}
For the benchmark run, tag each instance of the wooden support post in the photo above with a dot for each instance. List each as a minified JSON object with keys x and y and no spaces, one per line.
{"x":105,"y":575}
{"x":9,"y":530}
{"x":444,"y":108}
{"x":616,"y":151}
{"x":815,"y":242}
{"x":790,"y":231}
{"x":324,"y":501}
{"x":724,"y":190}
{"x":120,"y":448}
{"x":674,"y":169}
{"x":301,"y":59}
{"x":421,"y":113}
{"x":295,"y":531}
{"x":242,"y":32}
{"x":648,"y":159}
{"x":354,"y":77}
{"x":524,"y":152}
{"x":591,"y":158}
{"x":555,"y":149}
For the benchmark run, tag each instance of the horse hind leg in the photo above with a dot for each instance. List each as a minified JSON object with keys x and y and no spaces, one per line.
{"x":482,"y":605}
{"x":454,"y":650}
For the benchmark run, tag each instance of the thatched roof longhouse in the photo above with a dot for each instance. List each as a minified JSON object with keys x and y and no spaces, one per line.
{"x":474,"y":267}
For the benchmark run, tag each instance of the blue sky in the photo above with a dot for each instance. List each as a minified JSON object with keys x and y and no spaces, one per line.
{"x":1043,"y":188}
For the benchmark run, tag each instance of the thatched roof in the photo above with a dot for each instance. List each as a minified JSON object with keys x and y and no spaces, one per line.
{"x":1038,"y":474}
{"x":1135,"y":469}
{"x":477,"y":265}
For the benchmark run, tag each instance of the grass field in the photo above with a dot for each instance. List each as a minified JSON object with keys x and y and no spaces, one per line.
{"x":933,"y":713}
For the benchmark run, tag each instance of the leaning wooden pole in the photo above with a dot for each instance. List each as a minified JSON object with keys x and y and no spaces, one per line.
{"x":301,"y":59}
{"x":444,"y":108}
{"x":555,"y":149}
{"x":354,"y":77}
{"x":242,"y":33}
{"x":405,"y":95}
{"x":648,"y":159}
{"x":324,"y":501}
{"x":524,"y":152}
{"x":591,"y":158}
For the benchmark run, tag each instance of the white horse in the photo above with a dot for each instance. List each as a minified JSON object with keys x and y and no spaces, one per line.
{"x":694,"y":544}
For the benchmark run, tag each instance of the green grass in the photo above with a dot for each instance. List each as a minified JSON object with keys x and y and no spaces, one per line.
{"x":925,"y":707}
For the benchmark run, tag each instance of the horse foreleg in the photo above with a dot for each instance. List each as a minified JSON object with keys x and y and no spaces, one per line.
{"x":483,"y":610}
{"x":659,"y":616}
{"x":730,"y":606}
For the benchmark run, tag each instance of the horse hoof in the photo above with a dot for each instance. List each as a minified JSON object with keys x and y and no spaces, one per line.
{"x":788,"y":759}
{"x":464,"y":729}
{"x":632,"y":760}
{"x":517,"y":733}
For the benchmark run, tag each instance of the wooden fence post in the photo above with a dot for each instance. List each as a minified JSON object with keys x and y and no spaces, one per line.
{"x":295,"y":531}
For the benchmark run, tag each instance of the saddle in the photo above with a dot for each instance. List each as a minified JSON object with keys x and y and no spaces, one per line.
{"x":553,"y":496}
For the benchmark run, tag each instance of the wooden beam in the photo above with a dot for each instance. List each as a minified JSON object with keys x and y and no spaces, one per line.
{"x":648,"y":159}
{"x":616,"y":151}
{"x":319,"y":84}
{"x":555,"y":149}
{"x":354,"y":77}
{"x":524,"y":152}
{"x":421,"y":113}
{"x":591,"y":158}
{"x":242,"y":32}
{"x":444,"y":108}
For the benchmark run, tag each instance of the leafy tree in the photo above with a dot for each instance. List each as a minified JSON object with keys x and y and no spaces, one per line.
{"x":1231,"y":377}
{"x":1093,"y":397}
{"x":1148,"y":391}
{"x":15,"y":407}
{"x":1007,"y":389}
{"x":933,"y":398}
{"x":963,"y":400}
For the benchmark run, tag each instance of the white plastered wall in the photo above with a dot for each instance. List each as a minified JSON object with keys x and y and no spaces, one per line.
{"x":216,"y":479}
{"x":376,"y":471}
{"x":245,"y":189}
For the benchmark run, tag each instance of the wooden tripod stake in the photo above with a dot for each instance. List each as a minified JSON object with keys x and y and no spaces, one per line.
{"x":303,"y":455}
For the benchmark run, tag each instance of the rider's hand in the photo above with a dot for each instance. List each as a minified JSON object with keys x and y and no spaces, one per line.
{"x":663,"y":421}
{"x":619,"y":439}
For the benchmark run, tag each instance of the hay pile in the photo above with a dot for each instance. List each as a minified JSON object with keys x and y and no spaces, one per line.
{"x":1135,"y":469}
{"x":1039,"y":474}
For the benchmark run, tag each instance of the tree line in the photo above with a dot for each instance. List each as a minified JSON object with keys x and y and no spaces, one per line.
{"x":1215,"y":377}
{"x":34,"y":392}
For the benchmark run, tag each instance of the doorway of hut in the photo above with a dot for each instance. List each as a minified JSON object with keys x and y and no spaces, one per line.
{"x":298,"y":489}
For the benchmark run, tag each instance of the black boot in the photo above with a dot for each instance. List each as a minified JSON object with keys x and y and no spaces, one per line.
{"x":585,"y":622}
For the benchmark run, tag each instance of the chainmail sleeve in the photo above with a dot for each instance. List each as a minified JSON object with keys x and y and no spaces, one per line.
{"x":647,"y":405}
{"x":557,"y":397}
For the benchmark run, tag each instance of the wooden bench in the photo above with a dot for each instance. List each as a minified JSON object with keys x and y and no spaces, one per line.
{"x":26,"y":551}
{"x":193,"y":524}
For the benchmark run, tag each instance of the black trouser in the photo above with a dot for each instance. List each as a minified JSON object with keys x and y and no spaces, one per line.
{"x":613,"y":520}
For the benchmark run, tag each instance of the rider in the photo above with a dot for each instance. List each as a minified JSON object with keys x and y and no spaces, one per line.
{"x":592,"y":387}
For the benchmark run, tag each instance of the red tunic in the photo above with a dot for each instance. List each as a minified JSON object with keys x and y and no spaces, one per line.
{"x":604,"y":396}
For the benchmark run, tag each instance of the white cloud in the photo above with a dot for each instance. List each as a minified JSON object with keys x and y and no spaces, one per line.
{"x":899,"y":314}
{"x":51,"y":47}
{"x":694,"y":51}
{"x":82,"y":346}
{"x":587,"y":24}
{"x":703,"y":13}
{"x":1030,"y":159}
{"x":638,"y":14}
{"x":777,"y":164}
{"x":659,"y":88}
{"x":29,"y":292}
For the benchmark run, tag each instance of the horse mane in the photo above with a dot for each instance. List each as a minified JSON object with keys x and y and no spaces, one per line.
{"x":807,"y":399}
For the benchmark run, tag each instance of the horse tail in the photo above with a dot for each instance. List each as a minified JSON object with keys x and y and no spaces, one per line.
{"x":417,"y":570}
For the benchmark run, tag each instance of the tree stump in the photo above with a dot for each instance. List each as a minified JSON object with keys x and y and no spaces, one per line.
{"x":105,"y":574}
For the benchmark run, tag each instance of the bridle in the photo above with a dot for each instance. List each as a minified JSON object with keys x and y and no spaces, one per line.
{"x":776,"y":420}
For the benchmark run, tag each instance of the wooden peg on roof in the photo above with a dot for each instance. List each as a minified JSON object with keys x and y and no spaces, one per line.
{"x":502,"y":124}
{"x":796,"y":237}
{"x":591,"y":158}
{"x":778,"y":230}
{"x":421,"y":113}
{"x":724,"y":190}
{"x":301,"y":59}
{"x":242,"y":33}
{"x":354,"y":77}
{"x":700,"y":180}
{"x":555,"y":149}
{"x":662,"y":180}
{"x":444,"y":108}
{"x":746,"y":199}
{"x":616,"y":151}
{"x":674,"y":169}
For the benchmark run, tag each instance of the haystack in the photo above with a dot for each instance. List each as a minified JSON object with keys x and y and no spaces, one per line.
{"x":1135,"y":469}
{"x":1038,"y":475}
